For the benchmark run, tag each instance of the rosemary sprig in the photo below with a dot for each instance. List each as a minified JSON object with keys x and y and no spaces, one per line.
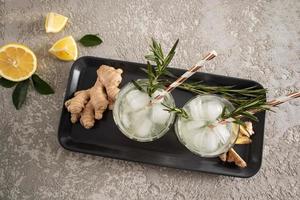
{"x":178,"y":111}
{"x":199,"y":87}
{"x":245,"y":110}
{"x":161,"y":63}
{"x":235,"y":96}
{"x":140,"y":88}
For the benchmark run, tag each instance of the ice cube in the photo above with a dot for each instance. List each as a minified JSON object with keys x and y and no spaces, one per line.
{"x":140,"y":115}
{"x":222,"y":132}
{"x":158,"y":114}
{"x":137,"y":100}
{"x":143,"y":129}
{"x":198,"y":140}
{"x":125,"y":119}
{"x":195,"y":109}
{"x":125,"y":110}
{"x":191,"y":125}
{"x":212,"y":109}
{"x":210,"y":141}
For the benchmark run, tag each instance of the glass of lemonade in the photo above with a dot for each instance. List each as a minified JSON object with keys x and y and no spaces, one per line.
{"x":137,"y":118}
{"x":197,"y":132}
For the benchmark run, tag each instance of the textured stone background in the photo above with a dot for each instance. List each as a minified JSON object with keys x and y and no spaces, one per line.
{"x":259,"y":40}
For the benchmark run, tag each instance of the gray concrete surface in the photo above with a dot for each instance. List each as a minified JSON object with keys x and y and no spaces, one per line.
{"x":259,"y":40}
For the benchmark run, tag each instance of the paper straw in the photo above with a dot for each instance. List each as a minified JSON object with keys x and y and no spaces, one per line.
{"x":283,"y":99}
{"x":274,"y":102}
{"x":186,"y":75}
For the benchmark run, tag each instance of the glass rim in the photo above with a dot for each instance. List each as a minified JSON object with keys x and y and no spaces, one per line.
{"x":196,"y":152}
{"x":125,"y":132}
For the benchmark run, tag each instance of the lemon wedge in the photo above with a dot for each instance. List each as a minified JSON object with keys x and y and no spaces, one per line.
{"x":17,"y":62}
{"x":55,"y":22}
{"x":65,"y":49}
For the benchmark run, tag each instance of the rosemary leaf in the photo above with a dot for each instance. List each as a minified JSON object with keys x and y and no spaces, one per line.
{"x":239,"y":122}
{"x":245,"y":109}
{"x":137,"y":86}
{"x":178,"y":111}
{"x":161,"y":63}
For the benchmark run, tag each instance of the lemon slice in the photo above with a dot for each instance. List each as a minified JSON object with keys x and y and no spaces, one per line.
{"x":55,"y":22}
{"x":65,"y":49}
{"x":17,"y":62}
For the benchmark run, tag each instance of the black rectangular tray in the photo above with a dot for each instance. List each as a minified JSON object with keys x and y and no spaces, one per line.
{"x":104,"y":139}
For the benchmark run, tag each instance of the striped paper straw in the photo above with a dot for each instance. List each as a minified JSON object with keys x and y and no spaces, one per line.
{"x":186,"y":75}
{"x":274,"y":102}
{"x":283,"y":99}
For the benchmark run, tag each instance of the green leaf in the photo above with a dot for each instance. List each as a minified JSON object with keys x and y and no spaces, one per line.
{"x":174,"y":46}
{"x":41,"y":86}
{"x":150,"y":71}
{"x":178,"y":111}
{"x":137,"y":86}
{"x":150,"y":58}
{"x":239,"y":122}
{"x":249,"y":115}
{"x":160,"y":69}
{"x":169,"y":74}
{"x":20,"y":93}
{"x":90,"y":40}
{"x":144,"y":70}
{"x":7,"y":83}
{"x":224,"y":111}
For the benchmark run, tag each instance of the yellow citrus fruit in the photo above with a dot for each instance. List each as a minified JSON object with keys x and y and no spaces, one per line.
{"x":65,"y":49}
{"x":55,"y":22}
{"x":17,"y":62}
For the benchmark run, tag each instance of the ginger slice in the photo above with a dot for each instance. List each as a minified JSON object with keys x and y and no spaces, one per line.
{"x":223,"y":156}
{"x":233,"y":156}
{"x":111,"y":79}
{"x":243,"y":140}
{"x":247,"y":130}
{"x":244,"y":132}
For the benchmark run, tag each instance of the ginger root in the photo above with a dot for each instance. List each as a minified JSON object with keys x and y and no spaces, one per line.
{"x":245,"y":133}
{"x":111,"y":79}
{"x":233,"y":156}
{"x":89,"y":105}
{"x":243,"y":138}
